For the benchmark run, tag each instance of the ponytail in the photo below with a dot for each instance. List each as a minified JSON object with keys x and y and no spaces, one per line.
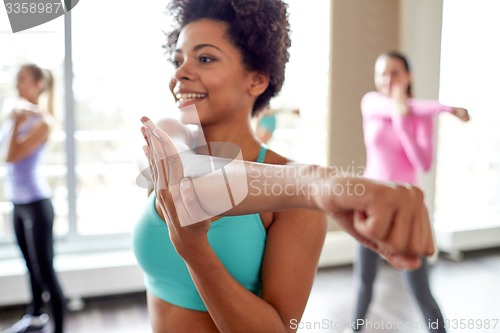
{"x":49,"y":90}
{"x":47,"y":79}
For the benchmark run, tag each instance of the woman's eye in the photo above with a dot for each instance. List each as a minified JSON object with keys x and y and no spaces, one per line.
{"x":205,"y":59}
{"x":175,"y":62}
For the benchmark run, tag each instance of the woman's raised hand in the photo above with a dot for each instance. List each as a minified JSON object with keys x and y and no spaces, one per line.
{"x":167,"y":172}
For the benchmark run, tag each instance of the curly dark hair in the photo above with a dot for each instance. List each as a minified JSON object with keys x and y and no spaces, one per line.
{"x":258,"y":28}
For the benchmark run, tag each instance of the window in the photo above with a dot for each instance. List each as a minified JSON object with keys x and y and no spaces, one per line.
{"x":304,"y":138}
{"x":468,"y":168}
{"x":120,"y":73}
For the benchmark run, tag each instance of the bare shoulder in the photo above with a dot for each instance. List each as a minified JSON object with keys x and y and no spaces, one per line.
{"x":176,"y":130}
{"x":299,"y":221}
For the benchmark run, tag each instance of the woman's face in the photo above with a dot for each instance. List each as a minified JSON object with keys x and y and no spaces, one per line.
{"x":390,"y":73}
{"x":210,"y":74}
{"x":27,"y":87}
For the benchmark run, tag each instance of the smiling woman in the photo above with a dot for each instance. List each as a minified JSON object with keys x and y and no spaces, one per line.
{"x":33,"y":213}
{"x":229,"y":61}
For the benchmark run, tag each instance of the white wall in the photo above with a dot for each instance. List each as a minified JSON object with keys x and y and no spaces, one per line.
{"x":420,"y":39}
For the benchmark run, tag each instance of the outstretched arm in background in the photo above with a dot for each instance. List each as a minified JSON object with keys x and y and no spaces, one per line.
{"x":412,"y":120}
{"x":377,"y":105}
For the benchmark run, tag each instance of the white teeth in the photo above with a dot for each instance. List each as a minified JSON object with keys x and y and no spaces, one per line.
{"x":188,"y":97}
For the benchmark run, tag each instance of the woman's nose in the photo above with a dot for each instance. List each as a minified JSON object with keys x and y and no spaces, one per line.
{"x":184,"y":71}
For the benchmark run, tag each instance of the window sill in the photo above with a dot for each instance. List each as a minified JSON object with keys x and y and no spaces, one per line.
{"x":81,"y":275}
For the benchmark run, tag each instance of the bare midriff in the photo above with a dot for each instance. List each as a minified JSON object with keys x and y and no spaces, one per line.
{"x":169,"y":318}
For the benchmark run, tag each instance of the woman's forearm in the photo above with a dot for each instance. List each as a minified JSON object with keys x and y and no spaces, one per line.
{"x":240,"y":187}
{"x":365,"y":207}
{"x":13,"y":148}
{"x":223,"y":297}
{"x":375,"y":104}
{"x":19,"y":148}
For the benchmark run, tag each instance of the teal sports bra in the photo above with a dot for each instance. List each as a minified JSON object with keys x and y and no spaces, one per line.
{"x":238,"y":241}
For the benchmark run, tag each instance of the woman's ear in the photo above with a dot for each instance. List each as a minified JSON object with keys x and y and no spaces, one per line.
{"x":258,"y":84}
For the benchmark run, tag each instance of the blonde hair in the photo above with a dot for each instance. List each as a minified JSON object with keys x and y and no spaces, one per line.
{"x":47,"y":79}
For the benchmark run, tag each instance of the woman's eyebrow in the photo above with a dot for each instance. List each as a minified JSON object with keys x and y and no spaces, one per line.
{"x":200,"y":46}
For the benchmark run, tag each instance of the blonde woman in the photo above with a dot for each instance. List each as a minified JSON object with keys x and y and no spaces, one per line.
{"x":31,"y":196}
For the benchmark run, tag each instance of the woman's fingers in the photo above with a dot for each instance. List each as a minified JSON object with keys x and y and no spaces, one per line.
{"x":168,"y":152}
{"x":159,"y":173}
{"x":148,"y":150}
{"x":173,"y":171}
{"x":168,"y":172}
{"x":398,"y":223}
{"x":375,"y":223}
{"x":428,"y":239}
{"x":403,"y":261}
{"x":191,"y":202}
{"x":401,"y":227}
{"x":420,"y":240}
{"x":400,"y":232}
{"x":164,"y":148}
{"x":398,"y":260}
{"x":417,"y":237}
{"x":421,"y":232}
{"x":378,"y":207}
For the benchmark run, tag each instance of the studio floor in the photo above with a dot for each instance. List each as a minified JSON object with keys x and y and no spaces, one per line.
{"x":468,"y":290}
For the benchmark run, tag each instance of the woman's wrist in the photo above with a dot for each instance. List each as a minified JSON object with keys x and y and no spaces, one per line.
{"x":194,"y":250}
{"x":322,"y":186}
{"x":402,"y":107}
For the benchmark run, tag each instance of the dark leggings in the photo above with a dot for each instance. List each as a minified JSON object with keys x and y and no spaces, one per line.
{"x":33,"y":225}
{"x":366,"y":270}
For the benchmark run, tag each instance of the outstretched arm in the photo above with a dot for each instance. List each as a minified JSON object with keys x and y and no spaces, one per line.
{"x":374,"y":104}
{"x":411,"y":119}
{"x":389,"y":218}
